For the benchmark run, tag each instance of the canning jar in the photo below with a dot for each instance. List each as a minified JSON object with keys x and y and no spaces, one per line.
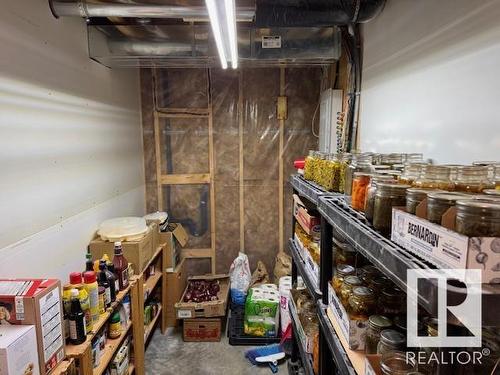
{"x":370,"y":194}
{"x":411,"y":172}
{"x":361,"y":303}
{"x":344,"y":253}
{"x":386,"y":197}
{"x":376,"y":324}
{"x":395,"y":174}
{"x":390,"y":341}
{"x":435,"y":177}
{"x":496,"y":177}
{"x":416,"y":195}
{"x":359,"y":163}
{"x":350,"y":282}
{"x":381,"y":167}
{"x":309,"y":165}
{"x":473,"y":179}
{"x":378,"y":283}
{"x":345,"y":161}
{"x":341,"y":271}
{"x":327,"y":173}
{"x":413,"y":158}
{"x":478,"y":218}
{"x":319,"y":166}
{"x":391,"y":302}
{"x":368,"y":273}
{"x":438,"y":203}
{"x":397,"y":363}
{"x":492,"y":193}
{"x":391,"y":159}
{"x":359,"y":186}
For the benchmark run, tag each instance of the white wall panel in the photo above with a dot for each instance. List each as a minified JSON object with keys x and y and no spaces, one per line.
{"x":70,"y":141}
{"x":431,"y":80}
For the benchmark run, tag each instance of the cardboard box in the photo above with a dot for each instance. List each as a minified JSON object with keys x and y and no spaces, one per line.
{"x":36,"y":302}
{"x":354,"y":331}
{"x":18,"y":350}
{"x":442,"y":246}
{"x":138,"y":253}
{"x":202,"y":330}
{"x":304,"y":215}
{"x":189,"y":310}
{"x":311,"y":266}
{"x":173,"y":241}
{"x":175,"y":283}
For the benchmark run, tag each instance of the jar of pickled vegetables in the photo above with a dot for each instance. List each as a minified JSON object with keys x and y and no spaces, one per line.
{"x":345,"y":161}
{"x":386,"y":197}
{"x":350,"y":282}
{"x":361,"y":303}
{"x":341,"y":271}
{"x":370,"y":194}
{"x":330,"y":173}
{"x":391,"y":302}
{"x":435,"y":177}
{"x":360,"y":183}
{"x":359,"y":163}
{"x":411,"y":172}
{"x":473,"y":179}
{"x":376,"y":324}
{"x":416,"y":195}
{"x":309,"y":165}
{"x":319,"y":165}
{"x":438,"y":203}
{"x":478,"y":218}
{"x":390,"y":341}
{"x":344,"y":253}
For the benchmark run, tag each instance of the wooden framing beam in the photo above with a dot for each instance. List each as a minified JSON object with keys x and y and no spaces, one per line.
{"x":196,"y":253}
{"x":183,"y":112}
{"x":185,"y":179}
{"x":240,"y":156}
{"x":159,"y":186}
{"x":211,"y":165}
{"x":281,"y":206}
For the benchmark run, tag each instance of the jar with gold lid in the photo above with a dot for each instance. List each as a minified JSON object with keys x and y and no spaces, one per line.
{"x":376,"y":324}
{"x":478,"y":218}
{"x":344,"y":253}
{"x":435,"y":177}
{"x":350,"y":282}
{"x":362,"y":303}
{"x":473,"y":179}
{"x":341,"y":271}
{"x":439,"y":202}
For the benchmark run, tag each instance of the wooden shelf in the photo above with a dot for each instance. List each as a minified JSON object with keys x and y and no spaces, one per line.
{"x":151,"y":283}
{"x":154,"y":257}
{"x":150,"y":327}
{"x":110,"y":349}
{"x":74,"y":351}
{"x":63,"y":367}
{"x":131,"y":368}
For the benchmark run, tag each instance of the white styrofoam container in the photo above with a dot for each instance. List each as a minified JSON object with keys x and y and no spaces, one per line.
{"x":18,"y":350}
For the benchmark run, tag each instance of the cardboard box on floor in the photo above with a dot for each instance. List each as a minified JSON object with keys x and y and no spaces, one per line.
{"x":36,"y":302}
{"x":189,"y":310}
{"x":175,"y":283}
{"x":202,"y":330}
{"x":173,"y":240}
{"x":139,"y":253}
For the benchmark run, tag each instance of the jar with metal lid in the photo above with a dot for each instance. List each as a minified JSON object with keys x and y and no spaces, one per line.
{"x":368,"y":273}
{"x":309,"y":165}
{"x":478,"y":218}
{"x":341,"y":271}
{"x":416,"y":195}
{"x":391,"y":302}
{"x":435,"y":177}
{"x":378,"y":283}
{"x":414,"y":157}
{"x":381,"y":167}
{"x":473,"y":179}
{"x":350,"y":282}
{"x":397,"y":363}
{"x":328,"y":171}
{"x":391,"y":172}
{"x":386,"y":197}
{"x":359,"y":163}
{"x":376,"y":324}
{"x":345,"y":161}
{"x":411,"y":172}
{"x":361,"y":303}
{"x":319,"y":166}
{"x":370,"y":194}
{"x":390,"y":341}
{"x":496,"y":176}
{"x":391,"y":159}
{"x":360,"y":184}
{"x":438,"y":203}
{"x":344,"y":253}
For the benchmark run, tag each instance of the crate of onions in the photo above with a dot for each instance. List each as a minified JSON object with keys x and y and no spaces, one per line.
{"x":204,"y":296}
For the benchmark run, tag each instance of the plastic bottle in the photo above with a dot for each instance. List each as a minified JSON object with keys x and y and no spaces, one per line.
{"x":110,"y":267}
{"x":92,"y":289}
{"x":103,"y":281}
{"x":121,"y":266}
{"x":77,"y":331}
{"x":76,"y":281}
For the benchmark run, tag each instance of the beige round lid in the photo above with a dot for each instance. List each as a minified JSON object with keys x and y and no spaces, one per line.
{"x":123,"y":229}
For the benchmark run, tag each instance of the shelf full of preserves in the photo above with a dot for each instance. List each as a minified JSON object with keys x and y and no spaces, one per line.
{"x":304,"y":268}
{"x":307,"y":188}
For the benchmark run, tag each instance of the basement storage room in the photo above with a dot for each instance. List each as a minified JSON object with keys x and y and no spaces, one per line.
{"x":220,"y":187}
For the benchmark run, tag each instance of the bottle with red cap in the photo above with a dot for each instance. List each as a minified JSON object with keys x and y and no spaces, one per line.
{"x":90,"y":280}
{"x":76,"y":281}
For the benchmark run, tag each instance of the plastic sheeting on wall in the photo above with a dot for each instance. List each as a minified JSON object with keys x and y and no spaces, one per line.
{"x":248,"y":95}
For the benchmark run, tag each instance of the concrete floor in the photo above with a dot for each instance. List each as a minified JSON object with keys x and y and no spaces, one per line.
{"x":169,"y":355}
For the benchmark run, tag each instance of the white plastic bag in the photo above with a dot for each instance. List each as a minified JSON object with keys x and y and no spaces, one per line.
{"x":240,"y":277}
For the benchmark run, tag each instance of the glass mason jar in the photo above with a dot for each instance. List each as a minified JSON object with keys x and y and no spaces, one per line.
{"x":386,"y":197}
{"x":391,"y":172}
{"x":382,"y":167}
{"x":345,"y":161}
{"x":496,"y":177}
{"x":378,"y":283}
{"x":411,"y":172}
{"x":376,"y":324}
{"x":491,"y":193}
{"x":435,"y":177}
{"x":368,"y":273}
{"x":341,"y":271}
{"x":396,"y":363}
{"x":413,"y":158}
{"x":478,"y":218}
{"x":344,"y":253}
{"x":359,"y":163}
{"x":370,"y":194}
{"x":361,"y":303}
{"x":391,"y":302}
{"x":309,"y":165}
{"x":438,"y":203}
{"x":473,"y":179}
{"x":360,"y":184}
{"x":319,"y":165}
{"x":414,"y":196}
{"x":350,"y":282}
{"x":391,"y":159}
{"x":390,"y":341}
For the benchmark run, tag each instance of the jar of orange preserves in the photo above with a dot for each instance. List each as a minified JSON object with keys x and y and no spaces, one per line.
{"x":360,"y":184}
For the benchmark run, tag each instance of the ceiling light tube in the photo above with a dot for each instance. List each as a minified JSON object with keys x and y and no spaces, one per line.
{"x":231,"y":27}
{"x":216,"y":29}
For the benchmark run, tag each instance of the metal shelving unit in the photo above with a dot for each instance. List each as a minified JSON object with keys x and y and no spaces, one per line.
{"x":306,"y":358}
{"x":307,"y":189}
{"x":311,"y":285}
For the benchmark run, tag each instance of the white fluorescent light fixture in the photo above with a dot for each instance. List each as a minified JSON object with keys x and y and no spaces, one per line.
{"x":222,"y":15}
